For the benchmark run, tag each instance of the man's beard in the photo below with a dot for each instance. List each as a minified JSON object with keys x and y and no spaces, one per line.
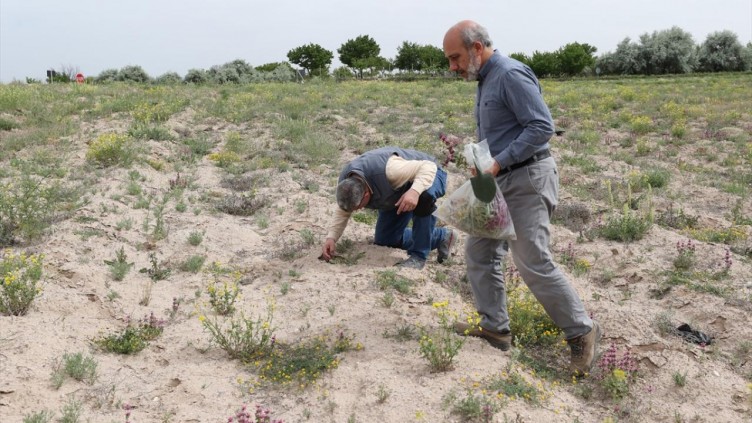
{"x":473,"y":67}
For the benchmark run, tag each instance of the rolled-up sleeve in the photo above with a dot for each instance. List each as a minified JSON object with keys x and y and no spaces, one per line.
{"x":400,"y":171}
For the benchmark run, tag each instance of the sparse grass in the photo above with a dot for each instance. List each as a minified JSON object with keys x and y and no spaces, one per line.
{"x":195,"y":238}
{"x":44,"y":416}
{"x":390,"y":279}
{"x":193,"y":264}
{"x":692,"y":151}
{"x":77,"y":366}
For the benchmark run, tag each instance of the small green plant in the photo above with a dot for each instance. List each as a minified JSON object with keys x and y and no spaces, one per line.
{"x":402,"y":333}
{"x":382,"y":394}
{"x":387,"y":279}
{"x":241,"y":337}
{"x":156,"y":272}
{"x":19,"y":278}
{"x":222,"y":295}
{"x":111,"y":149}
{"x":44,"y":416}
{"x":77,"y":366}
{"x":119,"y":267}
{"x":442,"y":345}
{"x":195,"y":238}
{"x":680,"y":379}
{"x":627,"y":227}
{"x":529,"y":322}
{"x":305,"y":362}
{"x":514,"y":385}
{"x":133,"y":338}
{"x":284,"y":288}
{"x":616,"y":373}
{"x":388,"y":299}
{"x":71,"y":411}
{"x":685,"y":258}
{"x":366,"y":216}
{"x":300,"y":206}
{"x":193,"y":264}
{"x":346,"y":253}
{"x":472,"y":407}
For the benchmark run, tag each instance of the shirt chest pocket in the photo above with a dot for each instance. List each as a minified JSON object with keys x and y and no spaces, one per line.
{"x":492,"y":114}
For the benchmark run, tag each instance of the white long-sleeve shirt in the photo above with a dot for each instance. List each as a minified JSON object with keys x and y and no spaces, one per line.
{"x":398,"y":172}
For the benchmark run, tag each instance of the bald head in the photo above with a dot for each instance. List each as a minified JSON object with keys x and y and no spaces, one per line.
{"x":467,"y":46}
{"x":468,"y":32}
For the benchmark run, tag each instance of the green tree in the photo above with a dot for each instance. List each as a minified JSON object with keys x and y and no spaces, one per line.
{"x":107,"y":75}
{"x":408,"y":57}
{"x":195,"y":76}
{"x":668,"y":51}
{"x":311,"y":57}
{"x":169,"y":78}
{"x":575,"y":57}
{"x":626,"y":60}
{"x":420,"y":58}
{"x":432,"y":58}
{"x":270,"y":67}
{"x":721,"y":52}
{"x":521,"y":57}
{"x":133,"y":74}
{"x":544,"y":64}
{"x":354,"y":53}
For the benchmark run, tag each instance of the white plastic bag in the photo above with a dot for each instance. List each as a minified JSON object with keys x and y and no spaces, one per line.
{"x":464,"y":211}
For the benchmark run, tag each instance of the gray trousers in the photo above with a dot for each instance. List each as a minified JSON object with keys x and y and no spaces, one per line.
{"x":531,"y":193}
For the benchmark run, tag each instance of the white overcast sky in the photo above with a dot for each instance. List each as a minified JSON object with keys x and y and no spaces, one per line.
{"x":178,"y":35}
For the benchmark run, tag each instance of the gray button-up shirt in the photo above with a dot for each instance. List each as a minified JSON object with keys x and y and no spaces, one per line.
{"x":510,"y":111}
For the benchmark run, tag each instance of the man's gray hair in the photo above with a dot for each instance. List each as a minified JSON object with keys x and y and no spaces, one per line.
{"x":474,"y":32}
{"x":350,"y":193}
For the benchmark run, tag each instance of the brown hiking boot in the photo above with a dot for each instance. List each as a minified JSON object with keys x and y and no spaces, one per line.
{"x":498,"y":340}
{"x":584,"y":349}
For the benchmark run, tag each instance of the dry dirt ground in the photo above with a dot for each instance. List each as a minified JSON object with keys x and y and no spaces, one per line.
{"x":182,"y":377}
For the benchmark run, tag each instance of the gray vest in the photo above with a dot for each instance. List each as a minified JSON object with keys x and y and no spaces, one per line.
{"x":371,"y":166}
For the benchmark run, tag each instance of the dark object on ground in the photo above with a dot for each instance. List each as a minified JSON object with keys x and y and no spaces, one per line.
{"x":694,"y":336}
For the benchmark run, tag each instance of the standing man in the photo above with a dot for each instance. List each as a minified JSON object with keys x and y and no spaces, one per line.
{"x":512,"y":116}
{"x":402,"y":185}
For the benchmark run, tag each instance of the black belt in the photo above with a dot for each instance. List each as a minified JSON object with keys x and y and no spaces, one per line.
{"x":535,"y":158}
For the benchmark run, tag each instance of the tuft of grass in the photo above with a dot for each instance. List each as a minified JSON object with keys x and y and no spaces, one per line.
{"x":389,"y":279}
{"x":132,"y":339}
{"x":193,"y":264}
{"x":195,"y":238}
{"x":626,"y":227}
{"x":44,"y":416}
{"x":77,"y":366}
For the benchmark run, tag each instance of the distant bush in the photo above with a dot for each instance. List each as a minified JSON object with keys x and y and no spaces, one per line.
{"x":169,"y":78}
{"x":132,"y":74}
{"x":108,"y":75}
{"x":195,"y":76}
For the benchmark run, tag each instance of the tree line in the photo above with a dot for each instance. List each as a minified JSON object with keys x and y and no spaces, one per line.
{"x":671,"y":51}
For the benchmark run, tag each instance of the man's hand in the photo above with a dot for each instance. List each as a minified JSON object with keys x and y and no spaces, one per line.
{"x":327,"y":251}
{"x":408,"y":201}
{"x":493,"y":170}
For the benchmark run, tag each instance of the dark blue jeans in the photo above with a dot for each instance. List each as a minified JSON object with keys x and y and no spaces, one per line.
{"x":392,"y":230}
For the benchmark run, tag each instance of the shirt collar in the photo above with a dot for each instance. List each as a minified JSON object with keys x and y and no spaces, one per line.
{"x":486,"y":68}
